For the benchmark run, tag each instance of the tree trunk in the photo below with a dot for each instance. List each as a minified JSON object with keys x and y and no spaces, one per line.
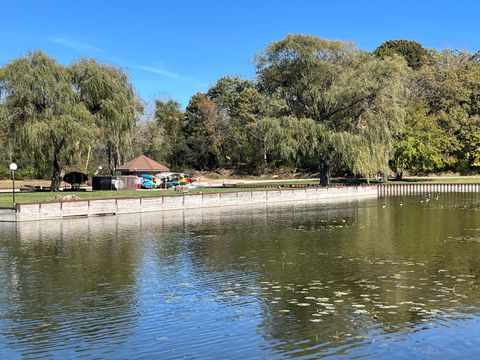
{"x":56,"y":176}
{"x":117,"y":158}
{"x":324,"y":174}
{"x":110,"y":159}
{"x":265,"y":151}
{"x":88,"y":158}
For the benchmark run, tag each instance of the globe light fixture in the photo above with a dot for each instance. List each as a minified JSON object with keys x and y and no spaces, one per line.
{"x":13,"y":167}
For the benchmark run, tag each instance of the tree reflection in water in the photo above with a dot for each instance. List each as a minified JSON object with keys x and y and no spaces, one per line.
{"x":348,"y":278}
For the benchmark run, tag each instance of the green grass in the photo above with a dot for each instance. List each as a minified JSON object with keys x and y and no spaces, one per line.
{"x":6,"y":200}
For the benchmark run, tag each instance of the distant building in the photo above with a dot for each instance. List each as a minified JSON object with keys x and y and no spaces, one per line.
{"x":142,"y":165}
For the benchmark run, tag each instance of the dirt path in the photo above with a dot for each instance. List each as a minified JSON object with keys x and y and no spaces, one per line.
{"x":7,"y":184}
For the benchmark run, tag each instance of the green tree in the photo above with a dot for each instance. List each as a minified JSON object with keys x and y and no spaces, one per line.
{"x":45,"y":115}
{"x":169,"y":117}
{"x":420,"y":148}
{"x":353,"y":96}
{"x":450,"y":87}
{"x":414,"y":53}
{"x":204,"y":132}
{"x":108,"y":95}
{"x":242,"y":107}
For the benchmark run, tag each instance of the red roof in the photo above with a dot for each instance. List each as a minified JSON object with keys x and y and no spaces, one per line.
{"x":143,"y":163}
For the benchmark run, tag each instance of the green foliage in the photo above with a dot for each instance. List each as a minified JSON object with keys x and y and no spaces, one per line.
{"x":414,"y":53}
{"x":169,"y":119}
{"x":353,"y":95}
{"x":108,"y":95}
{"x":53,"y":117}
{"x":315,"y":105}
{"x":204,"y":129}
{"x":420,"y":147}
{"x":45,"y":117}
{"x":450,"y":88}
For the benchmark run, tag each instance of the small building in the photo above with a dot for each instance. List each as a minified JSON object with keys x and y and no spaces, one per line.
{"x":142,"y":165}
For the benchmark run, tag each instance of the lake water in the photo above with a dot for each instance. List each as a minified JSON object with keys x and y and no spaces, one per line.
{"x":390,"y":278}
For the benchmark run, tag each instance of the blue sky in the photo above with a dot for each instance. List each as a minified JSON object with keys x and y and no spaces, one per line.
{"x":175,"y":48}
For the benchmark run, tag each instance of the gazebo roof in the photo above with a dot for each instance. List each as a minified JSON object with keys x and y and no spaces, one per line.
{"x":143,"y":163}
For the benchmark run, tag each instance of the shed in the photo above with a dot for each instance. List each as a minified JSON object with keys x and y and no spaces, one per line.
{"x":141,"y":165}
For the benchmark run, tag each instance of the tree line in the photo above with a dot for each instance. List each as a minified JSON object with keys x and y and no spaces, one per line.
{"x":315,"y":106}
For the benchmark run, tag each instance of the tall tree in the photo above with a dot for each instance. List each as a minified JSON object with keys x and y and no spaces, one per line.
{"x":420,"y":148}
{"x":169,"y":117}
{"x":450,"y":88}
{"x":243,"y":108}
{"x":45,"y":114}
{"x":108,"y":95}
{"x":204,"y":129}
{"x":353,"y":96}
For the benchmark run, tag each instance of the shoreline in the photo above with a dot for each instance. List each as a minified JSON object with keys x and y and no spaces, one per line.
{"x":102,"y":207}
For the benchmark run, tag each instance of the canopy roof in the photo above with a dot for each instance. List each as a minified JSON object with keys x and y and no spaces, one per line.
{"x":143,"y":164}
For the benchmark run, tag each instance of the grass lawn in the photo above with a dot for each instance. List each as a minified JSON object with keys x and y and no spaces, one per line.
{"x":7,"y":202}
{"x":6,"y":198}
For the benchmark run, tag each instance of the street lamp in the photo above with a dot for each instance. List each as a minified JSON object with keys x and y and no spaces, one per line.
{"x":13,"y":167}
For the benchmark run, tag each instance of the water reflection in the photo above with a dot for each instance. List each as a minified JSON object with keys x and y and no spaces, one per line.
{"x":299,"y":280}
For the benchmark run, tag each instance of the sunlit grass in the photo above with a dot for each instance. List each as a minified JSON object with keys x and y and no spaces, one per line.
{"x":6,"y":199}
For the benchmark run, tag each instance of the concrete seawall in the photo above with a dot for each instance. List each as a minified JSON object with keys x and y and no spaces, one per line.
{"x":77,"y":208}
{"x":417,"y":189}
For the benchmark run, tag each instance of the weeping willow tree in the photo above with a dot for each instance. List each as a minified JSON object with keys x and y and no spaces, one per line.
{"x":354,"y":97}
{"x":109,"y":97}
{"x":45,"y":117}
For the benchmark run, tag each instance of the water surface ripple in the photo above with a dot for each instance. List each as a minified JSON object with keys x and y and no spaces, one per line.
{"x":392,"y":278}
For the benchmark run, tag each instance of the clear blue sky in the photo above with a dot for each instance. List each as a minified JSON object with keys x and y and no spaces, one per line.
{"x":176,"y":48}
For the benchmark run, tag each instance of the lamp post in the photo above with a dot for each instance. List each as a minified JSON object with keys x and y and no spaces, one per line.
{"x":13,"y":167}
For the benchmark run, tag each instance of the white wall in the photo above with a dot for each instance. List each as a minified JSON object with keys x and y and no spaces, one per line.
{"x":56,"y":210}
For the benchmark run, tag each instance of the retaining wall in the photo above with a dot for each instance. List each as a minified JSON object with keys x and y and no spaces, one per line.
{"x":75,"y":208}
{"x":415,"y":189}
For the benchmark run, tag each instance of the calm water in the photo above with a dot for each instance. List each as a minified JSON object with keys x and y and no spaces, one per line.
{"x":391,"y":278}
